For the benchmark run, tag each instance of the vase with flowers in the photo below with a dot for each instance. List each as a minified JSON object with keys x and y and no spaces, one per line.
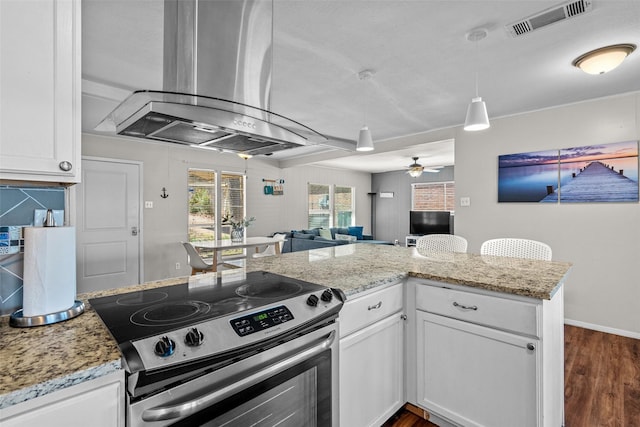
{"x":237,"y":226}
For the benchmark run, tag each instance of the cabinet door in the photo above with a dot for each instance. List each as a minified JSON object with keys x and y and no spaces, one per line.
{"x":476,"y":376}
{"x":98,"y":403}
{"x":371,"y":373}
{"x":40,"y":90}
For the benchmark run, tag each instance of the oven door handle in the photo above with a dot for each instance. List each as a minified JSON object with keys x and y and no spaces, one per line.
{"x":190,"y":407}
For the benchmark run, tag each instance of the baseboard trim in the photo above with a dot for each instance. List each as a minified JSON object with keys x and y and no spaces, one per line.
{"x":601,"y":328}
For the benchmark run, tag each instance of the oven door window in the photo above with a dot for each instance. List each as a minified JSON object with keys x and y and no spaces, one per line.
{"x":299,"y":396}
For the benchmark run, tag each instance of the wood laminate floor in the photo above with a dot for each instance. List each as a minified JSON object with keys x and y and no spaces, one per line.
{"x":602,"y":382}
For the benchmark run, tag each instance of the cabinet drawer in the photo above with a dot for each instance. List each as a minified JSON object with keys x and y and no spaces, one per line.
{"x":368,"y":309}
{"x":502,"y":313}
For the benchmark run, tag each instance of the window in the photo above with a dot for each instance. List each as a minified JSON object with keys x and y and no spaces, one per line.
{"x":232,"y":192}
{"x":202,"y":197}
{"x":204,"y":212}
{"x":343,"y":206}
{"x":331,"y":206}
{"x":438,"y":196}
{"x":319,"y":206}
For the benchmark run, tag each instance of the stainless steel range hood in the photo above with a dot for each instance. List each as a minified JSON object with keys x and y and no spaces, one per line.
{"x":217,"y":81}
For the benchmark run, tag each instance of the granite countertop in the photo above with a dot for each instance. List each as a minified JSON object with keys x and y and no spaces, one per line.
{"x":40,"y":360}
{"x":358,"y":267}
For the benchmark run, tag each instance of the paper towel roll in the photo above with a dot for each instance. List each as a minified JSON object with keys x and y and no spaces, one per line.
{"x":49,"y":283}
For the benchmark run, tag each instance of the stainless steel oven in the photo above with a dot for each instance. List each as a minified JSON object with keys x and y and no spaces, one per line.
{"x":262,"y":352}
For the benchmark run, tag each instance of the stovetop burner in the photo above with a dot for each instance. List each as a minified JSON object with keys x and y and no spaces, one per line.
{"x":269,"y":290}
{"x":170,"y":313}
{"x":147,"y":313}
{"x":141,"y":298}
{"x":218,"y":317}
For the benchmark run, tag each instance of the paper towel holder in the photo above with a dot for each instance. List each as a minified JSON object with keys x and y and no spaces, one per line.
{"x":17,"y":320}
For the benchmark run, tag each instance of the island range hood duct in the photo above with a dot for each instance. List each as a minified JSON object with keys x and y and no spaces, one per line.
{"x":217,"y":83}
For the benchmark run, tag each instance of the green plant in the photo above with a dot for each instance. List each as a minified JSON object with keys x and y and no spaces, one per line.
{"x":200,"y":201}
{"x":244,"y":222}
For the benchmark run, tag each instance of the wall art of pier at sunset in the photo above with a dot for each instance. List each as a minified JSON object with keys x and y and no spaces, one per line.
{"x":588,"y":174}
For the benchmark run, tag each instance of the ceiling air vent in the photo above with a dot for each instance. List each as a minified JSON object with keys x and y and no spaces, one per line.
{"x":549,"y":16}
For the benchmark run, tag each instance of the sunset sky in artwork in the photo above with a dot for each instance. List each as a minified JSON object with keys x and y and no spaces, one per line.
{"x":599,"y":152}
{"x":586,"y":153}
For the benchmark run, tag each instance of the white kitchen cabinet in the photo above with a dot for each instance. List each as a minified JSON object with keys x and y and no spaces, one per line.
{"x":40,"y":90}
{"x":488,"y":359}
{"x":98,"y":402}
{"x":372,"y":358}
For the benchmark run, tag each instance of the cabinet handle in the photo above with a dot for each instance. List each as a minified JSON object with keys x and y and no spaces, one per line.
{"x":531,"y":347}
{"x":375,"y":307}
{"x":465,"y":307}
{"x":403,"y":316}
{"x":65,"y":166}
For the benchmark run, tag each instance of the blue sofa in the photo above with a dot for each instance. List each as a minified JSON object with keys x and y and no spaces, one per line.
{"x":315,"y":238}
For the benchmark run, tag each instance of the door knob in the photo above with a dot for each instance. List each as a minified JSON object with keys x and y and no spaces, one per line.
{"x":134,"y":231}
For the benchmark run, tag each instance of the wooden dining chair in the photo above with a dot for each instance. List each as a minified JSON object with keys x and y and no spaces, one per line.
{"x":198,"y":265}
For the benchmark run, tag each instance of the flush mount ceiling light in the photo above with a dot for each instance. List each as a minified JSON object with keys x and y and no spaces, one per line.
{"x":415,"y":169}
{"x":477,"y":117}
{"x":604,"y":59}
{"x":365,"y":143}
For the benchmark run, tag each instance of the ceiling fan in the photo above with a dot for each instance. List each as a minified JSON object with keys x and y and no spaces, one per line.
{"x":415,"y":169}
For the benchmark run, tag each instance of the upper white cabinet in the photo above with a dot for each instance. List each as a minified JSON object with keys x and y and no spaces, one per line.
{"x":40,"y":90}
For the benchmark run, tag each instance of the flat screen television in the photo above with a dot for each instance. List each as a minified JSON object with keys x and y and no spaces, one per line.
{"x":429,"y":222}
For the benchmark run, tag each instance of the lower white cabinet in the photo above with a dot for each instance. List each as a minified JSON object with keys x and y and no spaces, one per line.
{"x":372,"y":358}
{"x":98,"y":403}
{"x":476,"y":376}
{"x":487,"y":359}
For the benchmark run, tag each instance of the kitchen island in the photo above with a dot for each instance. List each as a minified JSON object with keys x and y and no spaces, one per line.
{"x":38,"y":361}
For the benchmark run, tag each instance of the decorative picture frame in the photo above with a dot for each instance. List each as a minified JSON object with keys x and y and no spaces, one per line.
{"x":585,"y":174}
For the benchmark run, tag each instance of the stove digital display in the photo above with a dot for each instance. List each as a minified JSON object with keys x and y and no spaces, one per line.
{"x":260,"y":321}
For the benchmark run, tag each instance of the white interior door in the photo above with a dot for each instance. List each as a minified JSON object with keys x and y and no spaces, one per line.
{"x":108,"y":224}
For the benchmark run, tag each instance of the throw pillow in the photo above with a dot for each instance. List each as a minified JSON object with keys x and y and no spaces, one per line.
{"x":345,"y":237}
{"x":324,"y":233}
{"x":356,"y":231}
{"x":303,"y":236}
{"x":342,"y":230}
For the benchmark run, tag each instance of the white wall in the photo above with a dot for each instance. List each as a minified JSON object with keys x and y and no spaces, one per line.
{"x":392,"y":214}
{"x":601,"y":240}
{"x":166,"y":166}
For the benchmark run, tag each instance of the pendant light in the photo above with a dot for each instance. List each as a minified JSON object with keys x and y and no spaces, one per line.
{"x":246,"y":158}
{"x":477,"y":117}
{"x":365,"y":143}
{"x":604,"y":59}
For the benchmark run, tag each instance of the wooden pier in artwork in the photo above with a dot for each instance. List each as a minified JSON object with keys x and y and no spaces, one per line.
{"x":597,"y":183}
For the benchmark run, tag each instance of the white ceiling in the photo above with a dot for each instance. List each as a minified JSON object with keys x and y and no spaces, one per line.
{"x":424,"y":67}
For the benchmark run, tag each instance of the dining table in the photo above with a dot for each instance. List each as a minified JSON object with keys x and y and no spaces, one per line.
{"x":218,"y":246}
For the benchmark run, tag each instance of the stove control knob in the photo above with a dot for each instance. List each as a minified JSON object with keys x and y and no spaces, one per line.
{"x":312,"y":300}
{"x":326,"y":296}
{"x":165,"y":347}
{"x":193,"y":338}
